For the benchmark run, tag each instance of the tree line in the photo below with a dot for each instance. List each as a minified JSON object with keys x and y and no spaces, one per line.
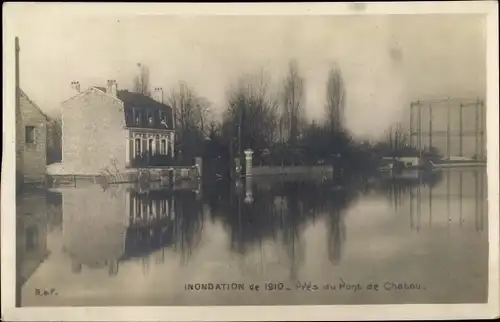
{"x":272,"y":123}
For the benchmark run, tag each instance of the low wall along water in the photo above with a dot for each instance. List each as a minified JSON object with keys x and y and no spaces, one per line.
{"x":285,"y":170}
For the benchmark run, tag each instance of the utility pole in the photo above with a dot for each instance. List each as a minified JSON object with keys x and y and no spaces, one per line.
{"x":19,"y":122}
{"x":19,"y":161}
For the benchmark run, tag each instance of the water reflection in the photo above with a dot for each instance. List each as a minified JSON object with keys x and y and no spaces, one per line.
{"x":111,"y":229}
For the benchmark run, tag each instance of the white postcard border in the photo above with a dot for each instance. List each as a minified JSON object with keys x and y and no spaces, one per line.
{"x":249,"y":313}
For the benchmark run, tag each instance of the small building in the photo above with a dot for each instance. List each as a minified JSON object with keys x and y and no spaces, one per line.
{"x":31,"y":147}
{"x":107,"y":129}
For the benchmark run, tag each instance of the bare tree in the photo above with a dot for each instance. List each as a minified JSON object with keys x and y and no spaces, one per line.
{"x":191,"y":117}
{"x":54,"y":140}
{"x":252,"y":113}
{"x":293,"y":98}
{"x":141,"y":81}
{"x":335,"y":99}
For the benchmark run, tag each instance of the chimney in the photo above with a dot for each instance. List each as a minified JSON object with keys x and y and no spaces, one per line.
{"x":157,"y":94}
{"x":76,"y":86}
{"x":112,"y":87}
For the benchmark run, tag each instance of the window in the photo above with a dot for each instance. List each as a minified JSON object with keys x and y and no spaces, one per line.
{"x":138,"y":117}
{"x":30,"y":134}
{"x":163,"y":147}
{"x":150,"y":146}
{"x":150,"y":120}
{"x":137,"y":146}
{"x":157,"y":145}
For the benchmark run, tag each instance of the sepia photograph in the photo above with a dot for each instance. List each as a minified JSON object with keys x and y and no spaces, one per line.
{"x":241,"y":160}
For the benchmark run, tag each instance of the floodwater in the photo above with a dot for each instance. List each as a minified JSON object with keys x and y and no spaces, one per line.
{"x":263,"y":241}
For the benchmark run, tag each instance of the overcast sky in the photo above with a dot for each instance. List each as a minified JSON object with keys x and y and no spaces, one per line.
{"x":387,"y":61}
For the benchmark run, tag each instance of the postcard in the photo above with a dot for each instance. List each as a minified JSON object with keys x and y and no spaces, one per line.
{"x":227,"y":162}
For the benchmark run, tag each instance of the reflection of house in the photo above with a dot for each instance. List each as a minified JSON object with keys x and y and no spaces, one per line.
{"x":94,"y":226}
{"x":31,"y":148}
{"x":31,"y":234}
{"x":151,"y":216}
{"x":108,"y":128}
{"x":150,"y":207}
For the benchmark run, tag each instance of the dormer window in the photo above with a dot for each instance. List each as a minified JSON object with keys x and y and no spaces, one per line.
{"x":137,"y":120}
{"x":150,"y":120}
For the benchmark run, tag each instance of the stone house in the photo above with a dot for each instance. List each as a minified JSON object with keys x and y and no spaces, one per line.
{"x":31,"y":137}
{"x":106,"y":129}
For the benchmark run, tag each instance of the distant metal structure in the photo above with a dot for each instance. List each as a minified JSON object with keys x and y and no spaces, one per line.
{"x":452,"y":105}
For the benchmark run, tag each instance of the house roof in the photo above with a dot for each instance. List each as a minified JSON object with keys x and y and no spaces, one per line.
{"x":34,"y":104}
{"x":137,"y":101}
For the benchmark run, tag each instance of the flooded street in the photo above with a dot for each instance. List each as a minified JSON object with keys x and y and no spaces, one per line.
{"x":382,"y":241}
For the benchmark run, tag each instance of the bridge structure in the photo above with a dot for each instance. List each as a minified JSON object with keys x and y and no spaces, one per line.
{"x":424,"y":131}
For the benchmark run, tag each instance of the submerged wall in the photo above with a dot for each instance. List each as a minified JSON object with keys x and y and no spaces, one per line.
{"x":278,"y":170}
